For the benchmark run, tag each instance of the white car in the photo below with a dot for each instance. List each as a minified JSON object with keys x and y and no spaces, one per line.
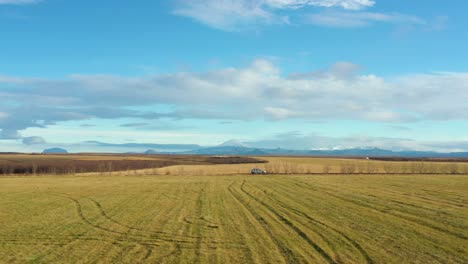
{"x":258,"y":171}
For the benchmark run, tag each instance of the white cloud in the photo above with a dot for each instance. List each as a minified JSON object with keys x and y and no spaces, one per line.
{"x":258,"y":91}
{"x":239,"y":14}
{"x":17,"y":2}
{"x":33,"y":141}
{"x":280,"y":113}
{"x":341,"y":69}
{"x":346,"y":4}
{"x":315,"y":142}
{"x":224,"y":14}
{"x":360,"y":19}
{"x":4,"y":115}
{"x":134,"y":125}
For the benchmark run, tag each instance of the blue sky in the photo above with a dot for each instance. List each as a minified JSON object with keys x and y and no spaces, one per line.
{"x":312,"y":74}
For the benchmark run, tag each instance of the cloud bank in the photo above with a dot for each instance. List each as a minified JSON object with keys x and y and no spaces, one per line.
{"x":299,"y":141}
{"x":256,"y":92}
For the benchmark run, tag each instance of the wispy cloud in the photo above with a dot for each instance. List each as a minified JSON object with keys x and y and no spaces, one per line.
{"x":346,"y":4}
{"x":227,"y":14}
{"x":87,"y":125}
{"x":232,"y":15}
{"x":134,"y":125}
{"x":18,"y":2}
{"x":360,"y":19}
{"x":34,"y":141}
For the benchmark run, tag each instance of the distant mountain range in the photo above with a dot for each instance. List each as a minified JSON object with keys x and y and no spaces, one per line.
{"x":162,"y":147}
{"x":55,"y":151}
{"x":238,"y":148}
{"x":234,"y":147}
{"x":229,"y":150}
{"x":358,"y":152}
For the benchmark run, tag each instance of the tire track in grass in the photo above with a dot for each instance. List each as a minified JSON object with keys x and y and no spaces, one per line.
{"x":123,"y":252}
{"x":429,"y":238}
{"x":149,"y":252}
{"x":416,"y":196}
{"x":287,"y":253}
{"x":148,"y":247}
{"x":66,"y":243}
{"x":198,"y":212}
{"x":185,"y":227}
{"x":131,"y":239}
{"x":404,"y":208}
{"x":80,"y":213}
{"x":324,"y":237}
{"x":49,"y":252}
{"x":247,"y":252}
{"x":157,"y":234}
{"x":163,"y":222}
{"x":315,"y":221}
{"x":176,"y":251}
{"x":318,"y":222}
{"x":206,"y":224}
{"x":199,"y":207}
{"x":296,"y":229}
{"x":152,"y":234}
{"x":370,"y":206}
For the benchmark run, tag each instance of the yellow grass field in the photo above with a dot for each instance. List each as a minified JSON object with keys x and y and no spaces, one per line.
{"x":308,"y":165}
{"x":186,"y":217}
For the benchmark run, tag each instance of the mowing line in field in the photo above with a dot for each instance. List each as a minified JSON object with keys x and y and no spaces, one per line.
{"x":198,"y":212}
{"x":127,"y":235}
{"x":152,"y":234}
{"x":122,"y":234}
{"x":292,"y":226}
{"x":371,"y":206}
{"x":287,"y":253}
{"x":233,"y":219}
{"x":316,"y":222}
{"x":242,"y":236}
{"x":429,"y":238}
{"x":174,"y":252}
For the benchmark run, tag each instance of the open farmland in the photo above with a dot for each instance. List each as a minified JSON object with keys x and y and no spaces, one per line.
{"x":188,"y":218}
{"x":311,"y":165}
{"x":28,"y":164}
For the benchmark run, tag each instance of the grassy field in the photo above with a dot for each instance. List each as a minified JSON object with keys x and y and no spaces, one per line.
{"x":33,"y":164}
{"x":308,"y":165}
{"x":234,"y":218}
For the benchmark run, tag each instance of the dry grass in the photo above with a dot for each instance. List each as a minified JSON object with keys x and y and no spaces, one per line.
{"x":235,"y":218}
{"x":197,"y":218}
{"x":207,"y":165}
{"x":86,"y":163}
{"x":286,"y":165}
{"x":308,"y":165}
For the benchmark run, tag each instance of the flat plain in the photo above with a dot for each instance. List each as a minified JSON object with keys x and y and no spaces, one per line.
{"x":191,"y":215}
